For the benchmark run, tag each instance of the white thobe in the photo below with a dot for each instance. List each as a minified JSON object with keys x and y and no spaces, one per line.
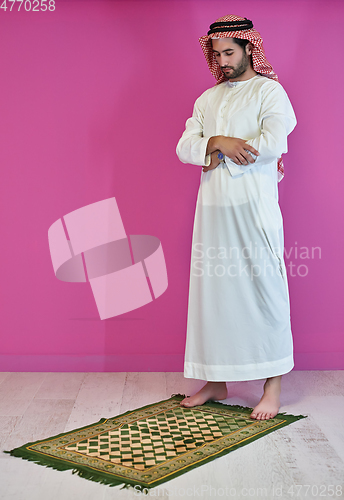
{"x":238,"y":325}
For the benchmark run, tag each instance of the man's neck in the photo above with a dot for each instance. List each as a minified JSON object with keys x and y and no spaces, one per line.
{"x":249,"y":73}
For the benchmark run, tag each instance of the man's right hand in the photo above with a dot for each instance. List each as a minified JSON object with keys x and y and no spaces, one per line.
{"x":233,"y":147}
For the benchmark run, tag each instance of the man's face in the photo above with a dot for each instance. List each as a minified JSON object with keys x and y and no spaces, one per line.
{"x":233,"y":60}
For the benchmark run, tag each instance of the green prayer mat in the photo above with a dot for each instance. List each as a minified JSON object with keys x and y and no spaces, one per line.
{"x":144,"y":448}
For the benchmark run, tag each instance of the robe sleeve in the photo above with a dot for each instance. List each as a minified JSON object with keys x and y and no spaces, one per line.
{"x":192,"y":145}
{"x":276,"y":120}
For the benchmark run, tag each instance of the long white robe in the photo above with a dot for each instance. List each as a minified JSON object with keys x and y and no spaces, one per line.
{"x":238,"y":325}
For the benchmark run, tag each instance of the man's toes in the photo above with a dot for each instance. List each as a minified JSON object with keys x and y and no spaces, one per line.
{"x":262,"y":415}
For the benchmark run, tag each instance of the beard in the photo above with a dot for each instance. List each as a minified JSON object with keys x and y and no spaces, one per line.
{"x":240,"y":68}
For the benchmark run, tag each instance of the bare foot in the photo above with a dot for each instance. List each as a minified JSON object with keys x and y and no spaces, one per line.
{"x":211,"y":390}
{"x":269,"y":404}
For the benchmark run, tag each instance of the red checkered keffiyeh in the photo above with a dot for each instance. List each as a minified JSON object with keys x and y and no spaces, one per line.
{"x":260,"y":63}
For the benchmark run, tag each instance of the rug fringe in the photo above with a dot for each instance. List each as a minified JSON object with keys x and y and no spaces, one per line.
{"x":285,"y":414}
{"x":182,"y":396}
{"x":60,"y":466}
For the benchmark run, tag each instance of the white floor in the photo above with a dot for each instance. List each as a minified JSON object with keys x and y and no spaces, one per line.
{"x":302,"y":460}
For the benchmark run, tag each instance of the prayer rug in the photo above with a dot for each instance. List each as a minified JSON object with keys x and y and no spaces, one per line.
{"x":153,"y":444}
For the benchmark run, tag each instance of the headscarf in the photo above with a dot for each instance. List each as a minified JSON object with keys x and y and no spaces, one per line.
{"x":238,"y":27}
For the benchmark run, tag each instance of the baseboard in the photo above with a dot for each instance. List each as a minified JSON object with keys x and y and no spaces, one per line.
{"x":89,"y":363}
{"x":141,"y":362}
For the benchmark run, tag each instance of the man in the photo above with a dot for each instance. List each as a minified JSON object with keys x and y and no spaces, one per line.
{"x":238,"y":324}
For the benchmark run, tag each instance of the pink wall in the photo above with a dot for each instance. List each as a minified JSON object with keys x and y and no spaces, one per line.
{"x":93,"y":99}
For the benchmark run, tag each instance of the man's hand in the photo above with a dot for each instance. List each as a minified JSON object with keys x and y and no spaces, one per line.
{"x":214,"y":161}
{"x":236,"y":149}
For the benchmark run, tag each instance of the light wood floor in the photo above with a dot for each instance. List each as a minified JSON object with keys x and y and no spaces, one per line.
{"x":308,"y":452}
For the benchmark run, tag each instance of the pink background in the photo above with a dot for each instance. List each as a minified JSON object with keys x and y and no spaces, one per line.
{"x":93,"y":99}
